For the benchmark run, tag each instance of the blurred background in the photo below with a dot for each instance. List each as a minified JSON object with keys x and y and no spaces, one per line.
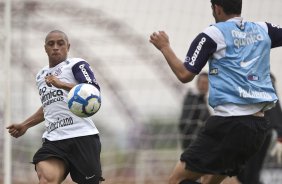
{"x":141,"y":98}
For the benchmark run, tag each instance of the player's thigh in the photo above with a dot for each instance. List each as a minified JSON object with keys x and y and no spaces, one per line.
{"x":180,"y":173}
{"x":51,"y":170}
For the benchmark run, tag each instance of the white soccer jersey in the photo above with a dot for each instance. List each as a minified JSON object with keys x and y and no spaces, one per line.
{"x":59,"y":121}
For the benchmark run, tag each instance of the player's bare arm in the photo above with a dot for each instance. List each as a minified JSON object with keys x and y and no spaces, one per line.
{"x":161,"y":41}
{"x":17,"y":130}
{"x":53,"y":80}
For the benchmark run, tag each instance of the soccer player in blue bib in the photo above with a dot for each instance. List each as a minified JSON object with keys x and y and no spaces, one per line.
{"x":71,"y":144}
{"x":238,"y":54}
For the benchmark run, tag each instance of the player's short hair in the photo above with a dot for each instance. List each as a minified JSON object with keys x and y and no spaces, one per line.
{"x":229,"y":6}
{"x":57,"y":31}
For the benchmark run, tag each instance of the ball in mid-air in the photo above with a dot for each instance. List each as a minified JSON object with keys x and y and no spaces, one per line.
{"x":84,"y":100}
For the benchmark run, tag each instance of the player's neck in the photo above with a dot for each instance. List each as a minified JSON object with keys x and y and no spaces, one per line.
{"x":54,"y":63}
{"x":227,"y":17}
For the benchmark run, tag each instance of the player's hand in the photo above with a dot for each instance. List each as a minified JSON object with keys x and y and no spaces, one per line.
{"x":160,"y":40}
{"x":16,"y":130}
{"x":53,"y":80}
{"x":276,"y":151}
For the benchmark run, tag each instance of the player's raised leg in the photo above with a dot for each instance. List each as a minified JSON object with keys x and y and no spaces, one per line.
{"x":182,"y":175}
{"x":51,"y":171}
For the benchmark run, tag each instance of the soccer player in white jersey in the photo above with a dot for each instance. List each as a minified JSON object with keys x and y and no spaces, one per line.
{"x":240,"y":90}
{"x":70,"y":144}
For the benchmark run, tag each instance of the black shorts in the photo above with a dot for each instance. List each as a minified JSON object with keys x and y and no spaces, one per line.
{"x":225,"y":144}
{"x":81,"y":156}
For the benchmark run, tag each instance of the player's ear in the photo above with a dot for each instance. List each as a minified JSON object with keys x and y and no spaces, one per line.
{"x":217,"y":9}
{"x":45,"y":48}
{"x":68,"y":46}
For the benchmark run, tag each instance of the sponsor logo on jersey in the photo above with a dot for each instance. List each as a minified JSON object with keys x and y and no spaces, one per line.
{"x":85,"y":73}
{"x":253,"y":77}
{"x":197,"y":51}
{"x":58,"y":71}
{"x":245,"y":64}
{"x":59,"y":123}
{"x":249,"y":93}
{"x":213,"y":71}
{"x":51,"y":97}
{"x":242,"y":39}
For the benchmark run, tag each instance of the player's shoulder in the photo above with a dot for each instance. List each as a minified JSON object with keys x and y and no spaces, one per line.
{"x":262,"y":25}
{"x":212,"y":29}
{"x":42,"y":71}
{"x":213,"y":32}
{"x":267,"y":26}
{"x":72,"y":61}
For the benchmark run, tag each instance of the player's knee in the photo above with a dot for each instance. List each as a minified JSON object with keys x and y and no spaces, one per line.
{"x":47,"y":179}
{"x":44,"y":180}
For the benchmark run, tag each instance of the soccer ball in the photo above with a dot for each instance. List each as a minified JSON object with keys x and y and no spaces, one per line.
{"x":84,"y":100}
